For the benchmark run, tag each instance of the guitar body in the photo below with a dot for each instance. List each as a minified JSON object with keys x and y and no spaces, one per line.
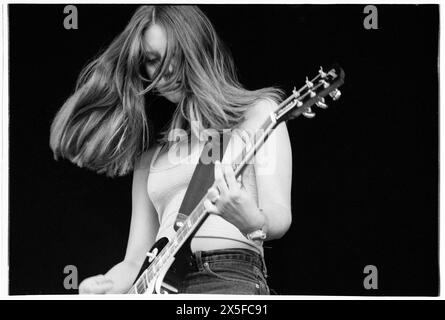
{"x":168,"y":278}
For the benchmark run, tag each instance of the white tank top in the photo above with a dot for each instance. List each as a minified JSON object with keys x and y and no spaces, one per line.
{"x":167,"y":183}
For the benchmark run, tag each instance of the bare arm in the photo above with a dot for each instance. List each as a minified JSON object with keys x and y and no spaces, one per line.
{"x":273,"y":168}
{"x":143,"y":229}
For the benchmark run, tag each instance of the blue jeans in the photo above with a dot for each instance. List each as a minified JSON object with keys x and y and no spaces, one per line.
{"x":228,"y":271}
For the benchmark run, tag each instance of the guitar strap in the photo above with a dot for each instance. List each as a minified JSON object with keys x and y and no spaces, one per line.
{"x":203,"y":176}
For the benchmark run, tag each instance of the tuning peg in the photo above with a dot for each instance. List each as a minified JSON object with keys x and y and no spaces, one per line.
{"x":320,"y":103}
{"x":309,"y":114}
{"x":324,"y":83}
{"x":312,"y":93}
{"x":308,"y":83}
{"x":335,"y":95}
{"x":322,"y":73}
{"x":295,"y":93}
{"x":332,"y":73}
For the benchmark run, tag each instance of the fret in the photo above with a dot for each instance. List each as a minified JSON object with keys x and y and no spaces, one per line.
{"x":172,"y":249}
{"x":182,"y":234}
{"x":160,"y":263}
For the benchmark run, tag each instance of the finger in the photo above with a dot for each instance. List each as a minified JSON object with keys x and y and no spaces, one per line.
{"x":213,"y":194}
{"x":210,"y":207}
{"x":100,"y":279}
{"x":219,"y":179}
{"x":89,"y":288}
{"x":239,"y":180}
{"x":105,"y":287}
{"x":84,"y":289}
{"x":106,"y":282}
{"x":100,"y":288}
{"x":229,"y":175}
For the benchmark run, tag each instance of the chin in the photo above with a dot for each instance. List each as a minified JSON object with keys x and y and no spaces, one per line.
{"x":175,"y":98}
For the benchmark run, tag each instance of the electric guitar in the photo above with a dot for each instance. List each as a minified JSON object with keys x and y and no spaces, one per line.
{"x":157,"y":275}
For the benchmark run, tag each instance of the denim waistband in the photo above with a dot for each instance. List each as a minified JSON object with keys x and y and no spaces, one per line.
{"x":200,"y":257}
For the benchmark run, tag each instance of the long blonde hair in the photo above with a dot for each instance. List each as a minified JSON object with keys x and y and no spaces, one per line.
{"x":103,"y":125}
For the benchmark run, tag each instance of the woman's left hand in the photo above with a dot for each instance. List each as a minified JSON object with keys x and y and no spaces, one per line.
{"x":230,"y":200}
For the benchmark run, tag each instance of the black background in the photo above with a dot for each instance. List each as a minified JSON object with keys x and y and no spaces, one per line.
{"x":365,"y":171}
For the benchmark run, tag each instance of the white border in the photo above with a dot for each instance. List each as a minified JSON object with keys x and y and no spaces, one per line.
{"x":221,"y":2}
{"x":4,"y":147}
{"x":441,"y":147}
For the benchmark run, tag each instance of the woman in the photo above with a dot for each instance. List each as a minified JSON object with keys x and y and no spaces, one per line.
{"x":173,"y":51}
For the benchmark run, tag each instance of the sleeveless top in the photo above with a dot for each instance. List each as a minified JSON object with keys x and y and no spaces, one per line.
{"x":167,"y":183}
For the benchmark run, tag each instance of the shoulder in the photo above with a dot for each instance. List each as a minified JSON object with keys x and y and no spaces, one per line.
{"x":261,"y":108}
{"x":257,"y":113}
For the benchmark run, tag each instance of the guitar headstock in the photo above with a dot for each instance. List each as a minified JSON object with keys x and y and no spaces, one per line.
{"x":313,"y":92}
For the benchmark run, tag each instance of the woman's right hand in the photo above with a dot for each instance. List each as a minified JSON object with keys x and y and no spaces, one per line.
{"x":96,"y":285}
